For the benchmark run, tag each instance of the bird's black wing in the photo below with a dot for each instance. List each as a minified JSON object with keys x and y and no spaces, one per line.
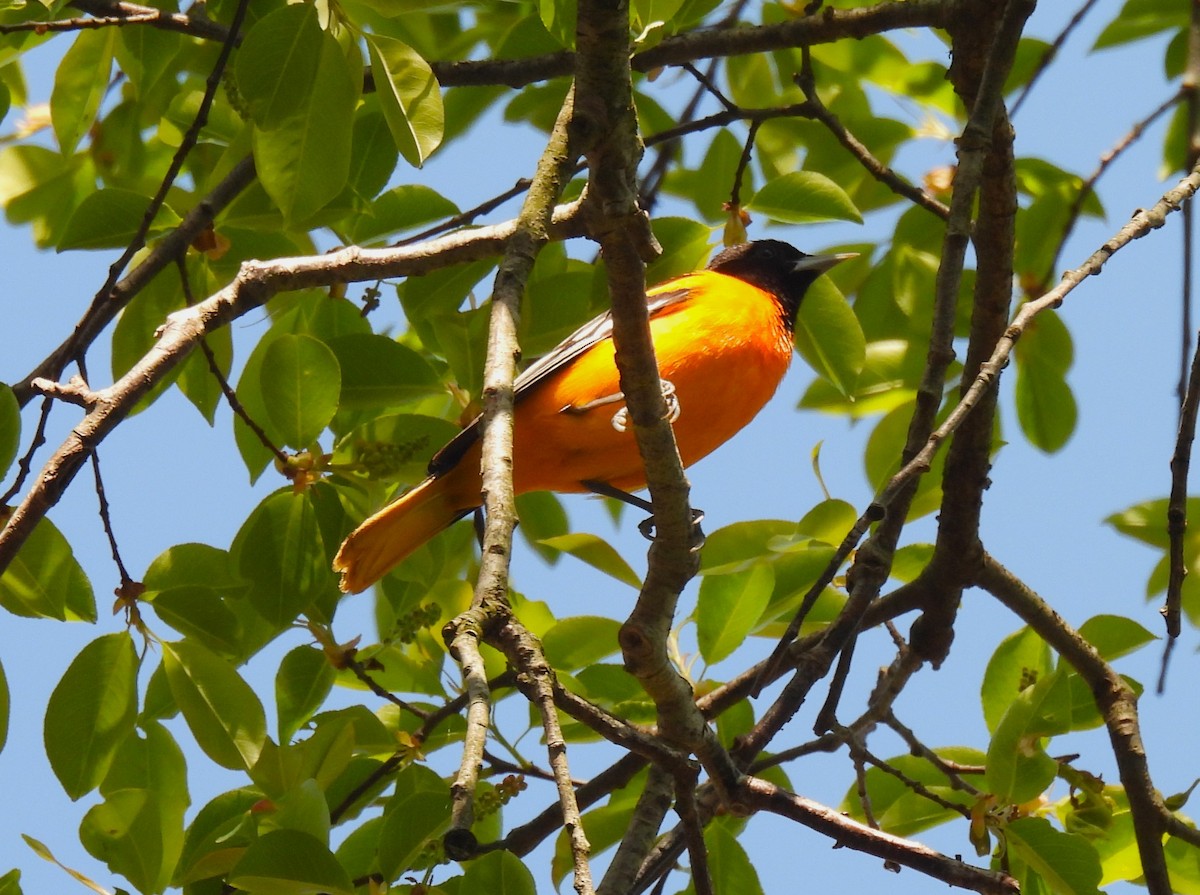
{"x":594,"y":331}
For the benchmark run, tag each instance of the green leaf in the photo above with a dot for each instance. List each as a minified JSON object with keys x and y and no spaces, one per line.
{"x":191,"y":564}
{"x":829,"y":337}
{"x":397,"y":447}
{"x":1114,"y":636}
{"x":1020,"y":661}
{"x":45,"y":580}
{"x":580,"y":641}
{"x":276,"y":67}
{"x":10,"y":883}
{"x":1067,"y":863}
{"x":303,"y":160}
{"x":10,"y":429}
{"x":802,"y":197}
{"x":221,"y":710}
{"x":91,"y":711}
{"x":279,"y":548}
{"x":127,"y":832}
{"x":728,"y":864}
{"x":829,"y":521}
{"x":1046,"y":407}
{"x":109,"y":218}
{"x":498,"y":873}
{"x":596,"y":552}
{"x":199,"y":612}
{"x":1147,"y":522}
{"x":218,"y":836}
{"x":739,"y":545}
{"x":288,"y":862}
{"x":304,"y":679}
{"x":398,"y":209}
{"x":1018,"y":768}
{"x":380,"y":372}
{"x":542,"y":516}
{"x":901,"y":811}
{"x":559,"y":18}
{"x":411,"y":820}
{"x":409,"y":96}
{"x":301,"y":381}
{"x":728,"y":608}
{"x":80,"y":83}
{"x":1142,"y":18}
{"x":39,"y":187}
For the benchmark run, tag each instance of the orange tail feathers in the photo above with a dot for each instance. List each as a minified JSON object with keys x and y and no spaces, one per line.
{"x":394,"y":532}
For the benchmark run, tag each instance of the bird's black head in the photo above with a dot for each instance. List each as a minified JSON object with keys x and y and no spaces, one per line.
{"x":775,"y":267}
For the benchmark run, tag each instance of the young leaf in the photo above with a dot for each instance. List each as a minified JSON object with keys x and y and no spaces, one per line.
{"x":409,"y":95}
{"x":221,"y":710}
{"x":91,"y":711}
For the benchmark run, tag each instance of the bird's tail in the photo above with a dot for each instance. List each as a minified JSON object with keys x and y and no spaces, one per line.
{"x":394,"y":532}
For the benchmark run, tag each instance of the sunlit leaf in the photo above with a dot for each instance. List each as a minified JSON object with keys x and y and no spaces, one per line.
{"x":409,"y":95}
{"x":10,"y":429}
{"x":300,"y":380}
{"x":221,"y":710}
{"x":288,"y":862}
{"x":80,"y":83}
{"x":803,"y":197}
{"x":729,"y":606}
{"x":44,"y":579}
{"x":579,"y":641}
{"x":91,"y":711}
{"x":596,"y":552}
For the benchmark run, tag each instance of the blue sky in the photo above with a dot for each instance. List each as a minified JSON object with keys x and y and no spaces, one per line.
{"x":172,"y":479}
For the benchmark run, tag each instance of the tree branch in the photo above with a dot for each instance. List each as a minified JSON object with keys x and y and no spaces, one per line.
{"x":1117,"y":703}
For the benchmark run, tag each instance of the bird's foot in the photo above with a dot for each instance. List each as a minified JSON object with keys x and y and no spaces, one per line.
{"x":646,"y":527}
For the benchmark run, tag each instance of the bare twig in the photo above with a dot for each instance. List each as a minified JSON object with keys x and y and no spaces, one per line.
{"x":1051,"y":52}
{"x":764,"y":796}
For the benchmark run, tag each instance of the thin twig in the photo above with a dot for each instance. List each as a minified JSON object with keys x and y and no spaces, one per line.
{"x":1051,"y":53}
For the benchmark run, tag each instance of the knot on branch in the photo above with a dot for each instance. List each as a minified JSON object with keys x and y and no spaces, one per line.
{"x":73,"y":391}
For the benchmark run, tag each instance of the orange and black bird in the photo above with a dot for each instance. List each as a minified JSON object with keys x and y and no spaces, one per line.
{"x":723,"y":339}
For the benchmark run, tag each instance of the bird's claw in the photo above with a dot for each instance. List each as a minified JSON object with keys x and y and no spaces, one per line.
{"x":646,"y":527}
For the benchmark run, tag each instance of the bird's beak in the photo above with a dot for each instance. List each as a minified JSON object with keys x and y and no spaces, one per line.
{"x":821,"y":263}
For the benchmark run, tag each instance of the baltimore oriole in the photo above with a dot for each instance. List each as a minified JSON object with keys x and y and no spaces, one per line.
{"x":723,"y":339}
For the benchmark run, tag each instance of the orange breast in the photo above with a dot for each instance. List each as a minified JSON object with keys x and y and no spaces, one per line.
{"x":725,"y":349}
